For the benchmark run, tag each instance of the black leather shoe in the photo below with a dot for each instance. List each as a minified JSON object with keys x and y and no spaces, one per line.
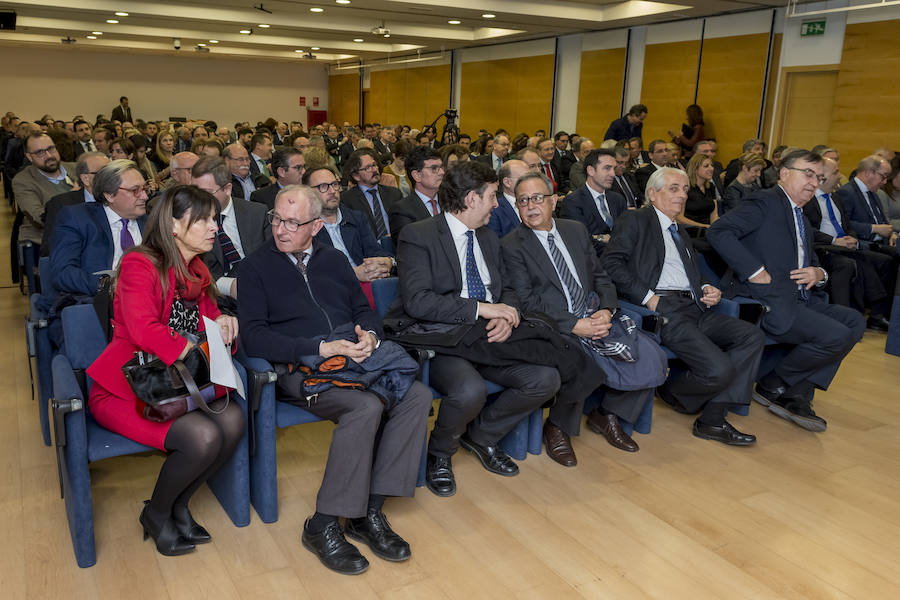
{"x":375,"y":531}
{"x":492,"y":458}
{"x":724,"y":433}
{"x":800,"y":413}
{"x":878,"y":323}
{"x":334,"y":550}
{"x":188,"y":527}
{"x":439,"y":475}
{"x":168,"y":541}
{"x":765,"y":396}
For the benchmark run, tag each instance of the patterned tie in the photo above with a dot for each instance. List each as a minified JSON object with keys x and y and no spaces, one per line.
{"x":604,"y":212}
{"x":689,"y":269}
{"x":232,"y":256}
{"x":839,"y":231}
{"x":875,"y":207}
{"x":804,"y":261}
{"x":301,"y":262}
{"x":623,"y":183}
{"x":125,"y":239}
{"x":576,"y":292}
{"x":380,"y":229}
{"x":473,"y":277}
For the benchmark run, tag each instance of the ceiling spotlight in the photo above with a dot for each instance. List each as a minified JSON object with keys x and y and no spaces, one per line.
{"x":454,"y":21}
{"x":121,"y":14}
{"x":387,"y":35}
{"x":264,"y":26}
{"x":342,"y":1}
{"x":92,"y":37}
{"x":316,"y":9}
{"x":488,"y":15}
{"x":357,"y":39}
{"x":300,"y":51}
{"x":213,"y":41}
{"x":246,"y":31}
{"x":315,"y":47}
{"x":112,"y":21}
{"x":96,"y":33}
{"x":201,"y":45}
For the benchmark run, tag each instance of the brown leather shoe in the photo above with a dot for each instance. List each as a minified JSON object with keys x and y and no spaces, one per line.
{"x":608,"y":426}
{"x":559,"y":446}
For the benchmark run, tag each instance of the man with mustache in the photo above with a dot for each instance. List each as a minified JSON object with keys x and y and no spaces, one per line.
{"x":34,"y":185}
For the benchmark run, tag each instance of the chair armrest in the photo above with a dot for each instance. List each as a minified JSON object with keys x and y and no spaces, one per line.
{"x":259,"y":374}
{"x":648,"y":320}
{"x":69,"y":425}
{"x":750,"y":310}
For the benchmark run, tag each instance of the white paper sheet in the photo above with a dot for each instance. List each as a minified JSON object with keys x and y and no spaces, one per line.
{"x":221,"y":368}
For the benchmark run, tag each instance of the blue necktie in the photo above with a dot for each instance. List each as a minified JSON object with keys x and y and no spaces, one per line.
{"x":473,"y":278}
{"x":798,"y":214}
{"x":839,"y":231}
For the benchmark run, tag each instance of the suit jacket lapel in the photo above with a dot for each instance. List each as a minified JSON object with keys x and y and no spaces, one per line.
{"x":102,"y":223}
{"x":535,"y":249}
{"x":659,"y":245}
{"x":577,"y":256}
{"x":491,"y":260}
{"x":446,"y":240}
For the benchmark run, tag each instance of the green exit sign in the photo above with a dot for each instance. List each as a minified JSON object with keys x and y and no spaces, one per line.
{"x":812,"y":28}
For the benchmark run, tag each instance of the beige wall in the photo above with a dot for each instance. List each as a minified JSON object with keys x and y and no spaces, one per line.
{"x":64,"y":82}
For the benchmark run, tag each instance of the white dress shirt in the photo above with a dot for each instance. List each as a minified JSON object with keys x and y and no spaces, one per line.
{"x":334,"y":232}
{"x":427,"y":202}
{"x":115,"y":227}
{"x":826,"y":226}
{"x":512,"y":203}
{"x":600,"y":202}
{"x":458,"y":231}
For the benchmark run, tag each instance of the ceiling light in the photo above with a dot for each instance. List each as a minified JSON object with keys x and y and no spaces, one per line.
{"x":121,"y":14}
{"x":314,"y":48}
{"x":454,"y":21}
{"x":213,"y":41}
{"x":488,"y":15}
{"x":387,"y":35}
{"x":92,"y":37}
{"x":245,"y":31}
{"x":201,"y":45}
{"x":264,"y":26}
{"x":357,"y":39}
{"x":96,"y":33}
{"x":298,"y":50}
{"x":112,"y":21}
{"x":342,"y":1}
{"x":316,"y":9}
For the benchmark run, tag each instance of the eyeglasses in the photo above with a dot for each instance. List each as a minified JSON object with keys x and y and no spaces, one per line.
{"x":536,"y":199}
{"x":136,"y":190}
{"x":324,"y":187}
{"x":298,"y":168}
{"x":810,"y":174}
{"x":42,"y":151}
{"x":884,"y":176}
{"x":289,"y":224}
{"x":367,"y":168}
{"x":433,"y":168}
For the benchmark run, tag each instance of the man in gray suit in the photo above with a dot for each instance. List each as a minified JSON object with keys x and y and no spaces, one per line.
{"x":242,"y":224}
{"x":43,"y":179}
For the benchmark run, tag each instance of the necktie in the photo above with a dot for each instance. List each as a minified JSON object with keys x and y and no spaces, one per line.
{"x":301,"y":262}
{"x":804,"y":262}
{"x":434,"y":206}
{"x":125,"y":239}
{"x":232,"y":256}
{"x":576,"y":292}
{"x":689,"y":269}
{"x":629,"y":196}
{"x":497,"y":163}
{"x":839,"y":231}
{"x":875,"y":207}
{"x":604,"y":212}
{"x":380,"y":229}
{"x":473,"y":278}
{"x":549,"y":172}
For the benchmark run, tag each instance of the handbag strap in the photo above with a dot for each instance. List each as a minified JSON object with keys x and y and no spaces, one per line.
{"x":194,"y":391}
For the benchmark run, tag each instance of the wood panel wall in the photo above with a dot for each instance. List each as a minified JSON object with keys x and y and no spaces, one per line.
{"x":600,"y":91}
{"x":412,"y":96}
{"x":670,"y":75}
{"x":515,"y":94}
{"x":808,"y":100}
{"x":343,"y":98}
{"x":865,"y":113}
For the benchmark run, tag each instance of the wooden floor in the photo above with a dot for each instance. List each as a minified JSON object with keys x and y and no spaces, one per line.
{"x":800,"y":515}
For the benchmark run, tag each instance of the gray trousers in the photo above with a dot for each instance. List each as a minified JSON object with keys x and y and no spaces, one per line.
{"x":351,"y":474}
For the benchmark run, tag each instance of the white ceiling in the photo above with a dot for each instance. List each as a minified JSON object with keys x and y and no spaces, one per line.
{"x":415,"y":26}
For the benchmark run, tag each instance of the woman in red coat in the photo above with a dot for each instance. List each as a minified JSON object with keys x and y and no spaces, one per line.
{"x":164,"y":288}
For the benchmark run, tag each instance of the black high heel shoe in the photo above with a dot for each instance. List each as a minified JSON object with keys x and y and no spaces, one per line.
{"x":188,"y":527}
{"x":169,"y":541}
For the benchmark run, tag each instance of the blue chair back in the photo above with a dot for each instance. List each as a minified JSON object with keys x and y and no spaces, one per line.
{"x":80,"y":323}
{"x":385,"y":291}
{"x":47,"y":288}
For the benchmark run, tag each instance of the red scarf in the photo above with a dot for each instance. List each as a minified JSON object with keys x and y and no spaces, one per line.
{"x":201,"y":279}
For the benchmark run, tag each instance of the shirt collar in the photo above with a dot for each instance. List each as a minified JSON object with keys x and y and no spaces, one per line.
{"x":62,"y":175}
{"x":862,"y":187}
{"x":543,"y":234}
{"x":664,"y":221}
{"x":457,"y":227}
{"x":228,"y":210}
{"x":365,"y":189}
{"x":88,"y":196}
{"x":793,"y":204}
{"x":337,"y":223}
{"x":111,"y":215}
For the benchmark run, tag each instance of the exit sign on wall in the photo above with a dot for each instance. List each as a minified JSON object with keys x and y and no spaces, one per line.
{"x":812,"y":28}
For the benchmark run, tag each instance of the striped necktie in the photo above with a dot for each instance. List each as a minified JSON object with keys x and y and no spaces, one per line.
{"x":576,"y":292}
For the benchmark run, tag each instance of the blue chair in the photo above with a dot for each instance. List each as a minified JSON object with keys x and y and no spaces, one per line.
{"x":892,"y":343}
{"x":81,"y":441}
{"x":40,"y":352}
{"x":28,"y":254}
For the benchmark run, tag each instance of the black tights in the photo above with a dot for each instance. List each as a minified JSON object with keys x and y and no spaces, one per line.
{"x":198,"y":445}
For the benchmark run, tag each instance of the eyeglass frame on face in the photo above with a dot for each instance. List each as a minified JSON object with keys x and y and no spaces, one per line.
{"x":536,"y":199}
{"x":883,"y":176}
{"x":134,"y":190}
{"x":810,"y":174}
{"x":433,"y":168}
{"x":323,"y":187}
{"x":44,"y":151}
{"x":271,"y":217}
{"x":374,"y":165}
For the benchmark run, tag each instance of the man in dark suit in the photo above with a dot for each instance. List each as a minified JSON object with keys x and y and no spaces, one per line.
{"x":659,"y":157}
{"x":87,"y":165}
{"x":581,"y":148}
{"x":349,"y":146}
{"x":451,"y":285}
{"x":637,"y":155}
{"x":295,"y":292}
{"x":83,"y":141}
{"x":367,"y":195}
{"x":498,"y":155}
{"x":242,"y":224}
{"x":505,"y":217}
{"x":593,"y":204}
{"x":553,"y":269}
{"x":383,"y":145}
{"x":652,"y":262}
{"x":260,"y":154}
{"x":288,"y":166}
{"x":864,"y":209}
{"x":122,"y":112}
{"x":426,"y":169}
{"x":549,"y":167}
{"x":629,"y":126}
{"x":870,"y":277}
{"x":768,"y":243}
{"x":243,"y":182}
{"x":624,"y":182}
{"x":563,"y":157}
{"x":347,"y":229}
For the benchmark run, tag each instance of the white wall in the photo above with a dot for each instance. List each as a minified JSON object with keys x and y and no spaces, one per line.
{"x":568,"y":78}
{"x":68,"y":81}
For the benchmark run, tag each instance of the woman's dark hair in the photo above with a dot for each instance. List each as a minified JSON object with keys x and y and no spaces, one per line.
{"x":401,"y":149}
{"x":456,"y":150}
{"x":125,"y":144}
{"x":694,"y":115}
{"x":461,"y":179}
{"x":481,"y":142}
{"x":520,"y":142}
{"x":158,"y":243}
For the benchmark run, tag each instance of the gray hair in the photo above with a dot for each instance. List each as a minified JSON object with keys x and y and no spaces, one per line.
{"x":529,"y":175}
{"x":81,"y":166}
{"x":870,"y":163}
{"x":109,"y":178}
{"x":311,"y":194}
{"x":658,"y":178}
{"x":748,"y":145}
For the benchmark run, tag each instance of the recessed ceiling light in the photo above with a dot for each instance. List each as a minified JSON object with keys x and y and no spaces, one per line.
{"x":488,"y":15}
{"x":342,"y":1}
{"x":298,"y":50}
{"x":245,"y":31}
{"x":201,"y":45}
{"x":316,"y":9}
{"x":357,"y":39}
{"x":314,"y":48}
{"x":264,"y":26}
{"x":112,"y":21}
{"x":92,"y":37}
{"x":454,"y":21}
{"x":121,"y":14}
{"x":387,"y":35}
{"x":96,"y":33}
{"x":213,"y":41}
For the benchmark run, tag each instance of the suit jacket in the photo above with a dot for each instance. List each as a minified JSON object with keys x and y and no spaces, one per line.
{"x":488,"y":159}
{"x":254,"y":170}
{"x":259,"y":180}
{"x":577,"y":176}
{"x":431,"y":276}
{"x":856,"y":209}
{"x":79,"y":149}
{"x":51,"y":210}
{"x":760,"y":233}
{"x":253,"y":228}
{"x":645,"y":160}
{"x":580,"y":206}
{"x":383,"y":151}
{"x":557,"y":177}
{"x":82,"y":244}
{"x":345,"y":151}
{"x":504,"y":218}
{"x":357,"y":236}
{"x":530,"y":273}
{"x":355,"y":199}
{"x":408,"y":210}
{"x":635,"y":254}
{"x":264,"y":195}
{"x":632,"y":185}
{"x":32,"y":191}
{"x":562,"y":163}
{"x":814,"y":214}
{"x":122,"y":114}
{"x":642,"y":176}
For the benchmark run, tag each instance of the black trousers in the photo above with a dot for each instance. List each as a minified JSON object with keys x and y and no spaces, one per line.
{"x":461,"y":386}
{"x":871,"y":285}
{"x":721,"y":353}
